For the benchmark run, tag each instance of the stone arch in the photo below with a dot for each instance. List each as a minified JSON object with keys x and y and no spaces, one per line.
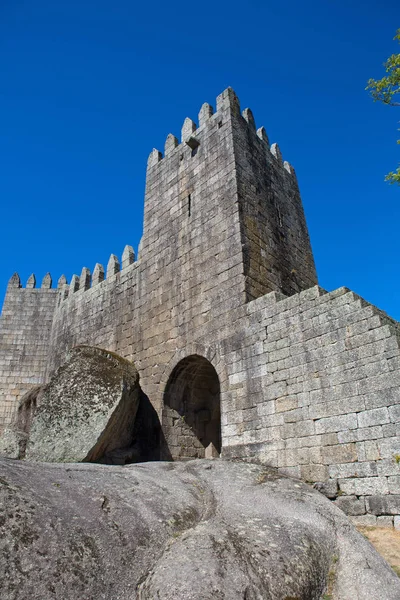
{"x":192,"y":408}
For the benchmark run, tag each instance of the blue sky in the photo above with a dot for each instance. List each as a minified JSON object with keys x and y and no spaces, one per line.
{"x":89,"y":87}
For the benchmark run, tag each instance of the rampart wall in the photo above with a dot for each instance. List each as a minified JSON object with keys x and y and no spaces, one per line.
{"x":25,"y":328}
{"x":99,"y":310}
{"x":314,"y":391}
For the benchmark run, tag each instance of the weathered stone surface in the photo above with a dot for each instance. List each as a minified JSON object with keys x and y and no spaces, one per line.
{"x":328,"y":488}
{"x":178,"y":531}
{"x":14,"y":439}
{"x":351,"y":505}
{"x":383,"y":505}
{"x":342,"y":453}
{"x":364,"y":520}
{"x":10,"y":443}
{"x":87,"y":410}
{"x":384,"y":521}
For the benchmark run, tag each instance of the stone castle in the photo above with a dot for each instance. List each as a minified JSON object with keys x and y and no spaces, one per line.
{"x":236,"y":344}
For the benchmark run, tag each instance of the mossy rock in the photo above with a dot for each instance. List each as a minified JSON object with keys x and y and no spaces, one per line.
{"x":87,"y":410}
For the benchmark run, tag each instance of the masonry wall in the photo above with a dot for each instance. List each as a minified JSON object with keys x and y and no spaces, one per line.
{"x":314,"y":391}
{"x":25,"y":326}
{"x":277,"y":252}
{"x":102,"y":315}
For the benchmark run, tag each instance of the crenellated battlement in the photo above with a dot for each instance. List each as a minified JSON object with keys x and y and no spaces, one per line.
{"x":82,"y":283}
{"x":191,"y":133}
{"x":87,"y":280}
{"x":15,"y":282}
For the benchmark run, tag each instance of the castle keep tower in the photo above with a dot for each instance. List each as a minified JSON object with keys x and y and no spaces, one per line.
{"x":224,"y":200}
{"x":238,"y":349}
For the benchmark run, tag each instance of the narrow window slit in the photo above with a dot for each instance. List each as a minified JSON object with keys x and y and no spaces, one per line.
{"x":189,"y":205}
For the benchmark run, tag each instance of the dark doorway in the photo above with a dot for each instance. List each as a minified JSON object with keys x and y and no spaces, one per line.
{"x":192,"y":412}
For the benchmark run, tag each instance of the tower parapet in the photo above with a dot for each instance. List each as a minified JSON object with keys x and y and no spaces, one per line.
{"x":47,"y":281}
{"x":31,"y":283}
{"x":61,"y":282}
{"x":128,"y":257}
{"x":74,"y":285}
{"x":15,"y":281}
{"x":225,"y":101}
{"x":84,"y":279}
{"x":98,"y":274}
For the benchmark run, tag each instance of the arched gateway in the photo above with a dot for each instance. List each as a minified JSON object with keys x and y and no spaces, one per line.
{"x":192,"y":410}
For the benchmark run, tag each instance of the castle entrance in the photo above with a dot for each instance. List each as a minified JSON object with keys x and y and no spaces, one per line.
{"x":192,"y":410}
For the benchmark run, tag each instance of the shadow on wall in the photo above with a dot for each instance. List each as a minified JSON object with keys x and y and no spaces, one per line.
{"x":192,"y":415}
{"x":148,"y":441}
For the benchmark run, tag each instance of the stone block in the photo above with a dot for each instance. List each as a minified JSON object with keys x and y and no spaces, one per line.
{"x":394,"y":484}
{"x":296,"y":415}
{"x":332,"y":424}
{"x":376,"y":416}
{"x":360,"y":447}
{"x":394,"y":413}
{"x":364,"y":521}
{"x":211,"y":452}
{"x":396,"y":522}
{"x":390,"y":430}
{"x":300,"y":429}
{"x":383,"y":505}
{"x":384,"y":521}
{"x":389,"y":448}
{"x":366,"y":486}
{"x":290,"y":471}
{"x":286,"y":403}
{"x":342,"y":453}
{"x":351,"y":505}
{"x":312,"y":473}
{"x":354,"y":469}
{"x":371,"y":450}
{"x":274,"y":391}
{"x":336,"y":407}
{"x":387,"y":397}
{"x":388,"y":467}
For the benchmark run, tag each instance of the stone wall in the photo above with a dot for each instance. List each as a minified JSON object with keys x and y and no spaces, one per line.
{"x":25,"y":327}
{"x":314,"y":391}
{"x":277,"y":252}
{"x":103,"y":315}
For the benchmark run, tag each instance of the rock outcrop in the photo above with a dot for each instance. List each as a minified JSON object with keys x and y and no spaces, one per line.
{"x":92,"y":410}
{"x":196,"y":530}
{"x":87,"y":410}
